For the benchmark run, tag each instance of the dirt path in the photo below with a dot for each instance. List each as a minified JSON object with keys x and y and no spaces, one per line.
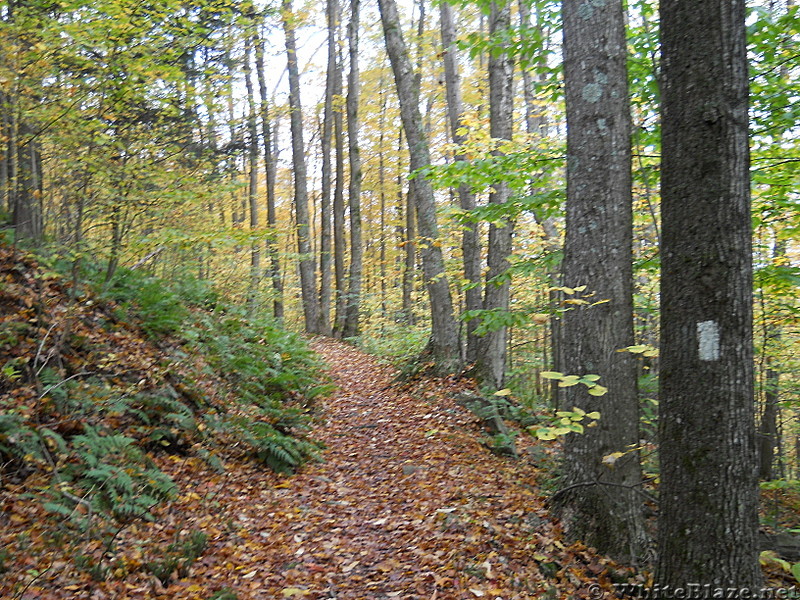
{"x":407,"y":504}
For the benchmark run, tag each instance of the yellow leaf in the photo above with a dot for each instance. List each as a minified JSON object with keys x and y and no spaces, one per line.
{"x":503,"y":392}
{"x":350,"y":567}
{"x":250,"y":575}
{"x":293,"y":591}
{"x":610,"y":459}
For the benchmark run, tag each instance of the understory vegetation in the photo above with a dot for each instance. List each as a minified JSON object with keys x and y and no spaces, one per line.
{"x":98,"y":381}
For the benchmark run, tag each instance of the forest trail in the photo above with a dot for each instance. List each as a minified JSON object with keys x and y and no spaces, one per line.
{"x":407,"y":504}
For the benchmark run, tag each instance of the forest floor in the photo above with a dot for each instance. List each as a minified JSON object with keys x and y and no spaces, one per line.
{"x":407,"y":502}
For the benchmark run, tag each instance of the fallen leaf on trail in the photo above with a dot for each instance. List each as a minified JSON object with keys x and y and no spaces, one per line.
{"x":350,"y":567}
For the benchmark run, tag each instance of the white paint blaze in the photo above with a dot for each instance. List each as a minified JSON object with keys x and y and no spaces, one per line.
{"x":708,"y":340}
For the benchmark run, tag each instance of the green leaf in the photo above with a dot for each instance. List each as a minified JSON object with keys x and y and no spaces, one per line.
{"x":569,"y":381}
{"x":597,"y":390}
{"x":551,"y":375}
{"x":545,"y":433}
{"x":796,"y":571}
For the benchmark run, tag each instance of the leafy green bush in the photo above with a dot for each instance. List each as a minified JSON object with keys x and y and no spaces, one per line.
{"x":159,"y":307}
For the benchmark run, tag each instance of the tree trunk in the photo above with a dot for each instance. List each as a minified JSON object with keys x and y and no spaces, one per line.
{"x":470,"y":241}
{"x":270,"y":160}
{"x":339,"y":237}
{"x":599,"y":503}
{"x":308,"y":286}
{"x":768,"y":438}
{"x":708,"y":518}
{"x":26,"y":177}
{"x":491,"y":360}
{"x":332,"y":15}
{"x":354,"y":188}
{"x":252,"y":167}
{"x":444,"y":345}
{"x":536,"y":125}
{"x":408,"y":235}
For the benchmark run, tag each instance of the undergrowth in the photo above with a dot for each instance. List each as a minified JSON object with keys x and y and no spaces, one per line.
{"x":85,"y":400}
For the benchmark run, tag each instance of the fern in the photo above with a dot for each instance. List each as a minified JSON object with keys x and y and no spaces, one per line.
{"x":116,"y":476}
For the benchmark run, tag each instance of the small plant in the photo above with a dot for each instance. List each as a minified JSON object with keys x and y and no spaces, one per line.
{"x":5,"y":557}
{"x":108,"y":474}
{"x":96,"y":570}
{"x":179,"y":557}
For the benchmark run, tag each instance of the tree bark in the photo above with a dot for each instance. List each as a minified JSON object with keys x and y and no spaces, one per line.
{"x":491,"y":360}
{"x":444,"y":346}
{"x":307,"y":264}
{"x":252,"y":167}
{"x":354,"y":189}
{"x":408,"y":235}
{"x":325,"y":255}
{"x":599,"y":503}
{"x":708,"y":518}
{"x":470,"y":241}
{"x":339,"y":234}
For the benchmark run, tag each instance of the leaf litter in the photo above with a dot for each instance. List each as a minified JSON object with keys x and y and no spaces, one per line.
{"x":407,"y":502}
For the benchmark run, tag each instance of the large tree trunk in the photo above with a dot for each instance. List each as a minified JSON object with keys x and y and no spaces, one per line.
{"x":708,"y":516}
{"x":470,"y":241}
{"x":308,"y":286}
{"x":270,"y":160}
{"x":354,"y":188}
{"x":491,"y":361}
{"x":445,"y":345}
{"x":600,"y":503}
